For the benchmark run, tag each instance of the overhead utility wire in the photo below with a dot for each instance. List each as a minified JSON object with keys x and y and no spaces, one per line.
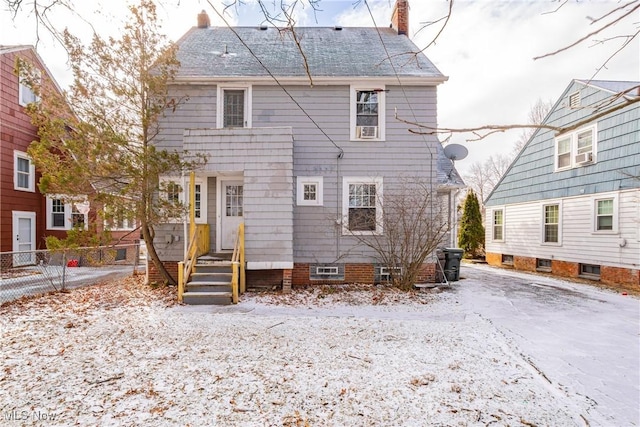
{"x":276,"y":80}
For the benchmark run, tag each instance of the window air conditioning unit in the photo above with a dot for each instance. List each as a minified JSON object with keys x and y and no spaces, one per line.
{"x":367,"y":132}
{"x":584,"y":158}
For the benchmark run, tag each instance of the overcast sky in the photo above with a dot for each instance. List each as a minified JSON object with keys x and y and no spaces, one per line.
{"x":486,"y":50}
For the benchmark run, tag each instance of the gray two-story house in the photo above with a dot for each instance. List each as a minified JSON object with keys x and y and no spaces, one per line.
{"x":303,"y":144}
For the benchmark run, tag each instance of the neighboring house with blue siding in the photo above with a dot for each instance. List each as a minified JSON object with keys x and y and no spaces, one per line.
{"x":300,"y":138}
{"x":570,"y":202}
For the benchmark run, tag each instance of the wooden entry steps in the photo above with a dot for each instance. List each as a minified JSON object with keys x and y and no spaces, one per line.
{"x":210,"y":282}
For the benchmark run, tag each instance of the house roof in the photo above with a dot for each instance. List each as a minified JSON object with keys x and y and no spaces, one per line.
{"x":329,"y":52}
{"x":629,"y":88}
{"x":448,"y":175}
{"x":5,"y":49}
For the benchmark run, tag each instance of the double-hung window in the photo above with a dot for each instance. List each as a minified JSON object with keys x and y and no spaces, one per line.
{"x":24,"y":177}
{"x":551,"y":217}
{"x":25,"y":94}
{"x":498,"y":225}
{"x":576,"y":148}
{"x":604,"y":214}
{"x":234,"y":107}
{"x":367,"y":113}
{"x":362,"y":205}
{"x":64,"y":215}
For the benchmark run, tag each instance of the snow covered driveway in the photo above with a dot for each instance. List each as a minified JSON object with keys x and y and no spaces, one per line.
{"x":121,"y":354}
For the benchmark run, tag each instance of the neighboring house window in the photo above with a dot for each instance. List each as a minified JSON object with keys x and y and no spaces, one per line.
{"x":120,"y":218}
{"x":362,"y":206}
{"x":309,"y":190}
{"x":551,"y":233}
{"x":234,"y":107}
{"x":24,"y":172}
{"x":498,"y":224}
{"x":367,"y":113}
{"x":576,"y":148}
{"x":605,"y":209}
{"x":64,"y":216}
{"x":25,"y":94}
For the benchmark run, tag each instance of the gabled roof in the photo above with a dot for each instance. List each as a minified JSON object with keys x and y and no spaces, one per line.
{"x":329,"y":52}
{"x":5,"y":49}
{"x":629,"y":88}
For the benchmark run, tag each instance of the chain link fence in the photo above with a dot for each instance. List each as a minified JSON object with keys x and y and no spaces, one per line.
{"x":37,"y":272}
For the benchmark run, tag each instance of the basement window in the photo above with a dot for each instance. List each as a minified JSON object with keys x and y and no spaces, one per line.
{"x":326,"y":272}
{"x":543,"y":265}
{"x":590,"y":271}
{"x":383,"y":274}
{"x":507,"y":259}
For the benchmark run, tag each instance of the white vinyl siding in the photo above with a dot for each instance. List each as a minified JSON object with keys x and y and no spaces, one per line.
{"x":579,"y":242}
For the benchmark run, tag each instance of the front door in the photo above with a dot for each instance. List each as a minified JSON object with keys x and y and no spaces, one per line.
{"x":231,"y":213}
{"x":24,"y":237}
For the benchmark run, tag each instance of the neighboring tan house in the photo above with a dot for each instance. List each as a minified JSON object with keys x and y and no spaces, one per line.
{"x":301,"y":138}
{"x":570,"y":202}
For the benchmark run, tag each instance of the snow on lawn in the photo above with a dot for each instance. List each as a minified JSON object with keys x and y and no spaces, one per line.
{"x":124,"y":354}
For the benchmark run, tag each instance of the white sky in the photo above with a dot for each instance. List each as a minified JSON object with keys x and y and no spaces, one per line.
{"x":486,"y":50}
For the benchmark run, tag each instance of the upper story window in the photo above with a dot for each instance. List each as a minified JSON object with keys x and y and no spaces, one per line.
{"x":234,"y":107}
{"x":63,"y":215}
{"x":576,"y":149}
{"x":362,"y":205}
{"x":24,"y":177}
{"x":367,"y":113}
{"x":25,"y":95}
{"x":498,"y":225}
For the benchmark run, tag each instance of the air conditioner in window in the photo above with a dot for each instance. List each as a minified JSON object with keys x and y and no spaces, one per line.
{"x":366,"y":132}
{"x":584,"y":158}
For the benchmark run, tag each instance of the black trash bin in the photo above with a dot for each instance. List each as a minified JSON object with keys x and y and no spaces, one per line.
{"x":452,"y":258}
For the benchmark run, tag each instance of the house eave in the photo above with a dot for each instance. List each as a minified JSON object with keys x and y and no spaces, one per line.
{"x":317,"y":81}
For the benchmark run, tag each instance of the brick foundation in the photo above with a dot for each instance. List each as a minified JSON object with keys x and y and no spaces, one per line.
{"x":565,"y":269}
{"x":493,"y":259}
{"x":354,"y":273}
{"x":625,"y":277}
{"x":155,"y":276}
{"x":524,"y":263}
{"x":359,"y":273}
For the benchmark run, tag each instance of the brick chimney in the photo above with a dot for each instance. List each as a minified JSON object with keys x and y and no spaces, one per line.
{"x":203,"y":20}
{"x":400,"y":17}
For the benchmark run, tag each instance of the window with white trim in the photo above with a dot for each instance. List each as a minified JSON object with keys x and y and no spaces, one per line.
{"x":120,"y":218}
{"x":576,"y":149}
{"x":367,"y":113}
{"x":171,"y":196}
{"x":24,"y":177}
{"x":64,"y":215}
{"x":551,"y":223}
{"x":498,"y":225}
{"x":362,"y":205}
{"x":234,"y":106}
{"x":309,"y":191}
{"x":605,"y":215}
{"x":25,"y":94}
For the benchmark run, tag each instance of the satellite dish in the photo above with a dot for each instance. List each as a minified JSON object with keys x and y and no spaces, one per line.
{"x":455,"y":152}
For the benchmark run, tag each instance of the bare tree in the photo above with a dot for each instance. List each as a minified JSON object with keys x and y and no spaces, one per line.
{"x":413,"y":226}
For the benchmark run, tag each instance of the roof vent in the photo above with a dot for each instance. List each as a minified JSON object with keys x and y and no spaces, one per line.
{"x":574,"y":100}
{"x":337,"y":28}
{"x":263,"y":27}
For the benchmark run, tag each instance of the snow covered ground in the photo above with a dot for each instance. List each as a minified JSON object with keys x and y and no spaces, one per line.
{"x":123,"y":354}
